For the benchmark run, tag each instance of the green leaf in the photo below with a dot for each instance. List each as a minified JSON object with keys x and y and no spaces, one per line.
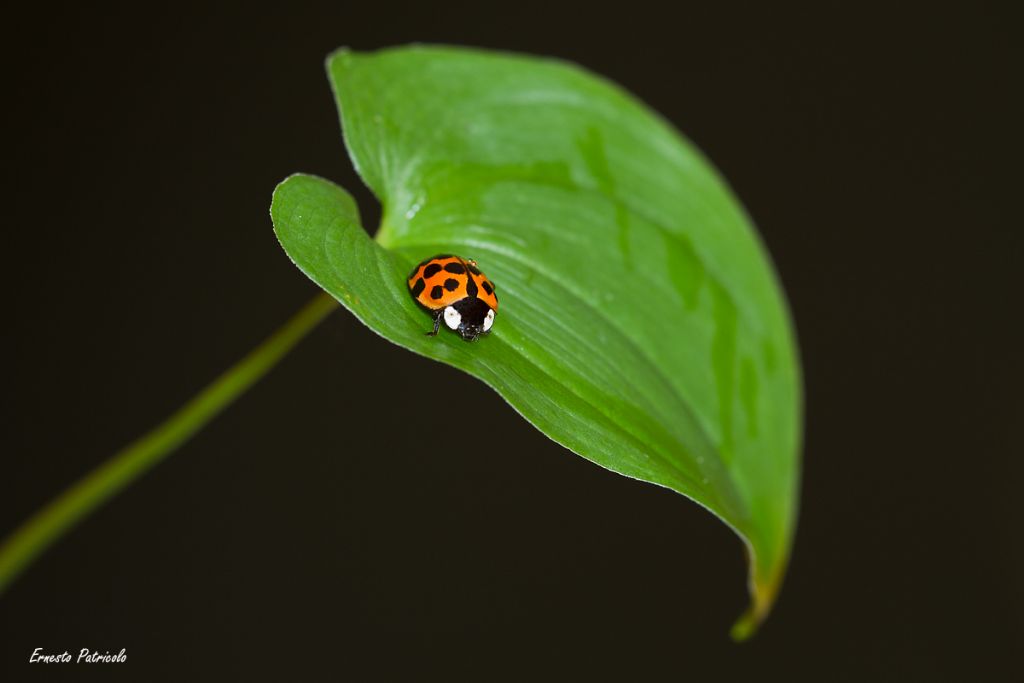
{"x":640,"y":323}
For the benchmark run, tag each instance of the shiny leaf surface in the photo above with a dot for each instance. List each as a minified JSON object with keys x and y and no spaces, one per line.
{"x":641,"y":324}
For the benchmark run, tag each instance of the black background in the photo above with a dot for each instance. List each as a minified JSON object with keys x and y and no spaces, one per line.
{"x":315,"y":530}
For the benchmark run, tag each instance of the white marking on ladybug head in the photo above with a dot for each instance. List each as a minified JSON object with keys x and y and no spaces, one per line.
{"x":489,"y":320}
{"x":452,"y":318}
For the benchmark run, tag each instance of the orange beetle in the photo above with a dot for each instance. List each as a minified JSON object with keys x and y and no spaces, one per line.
{"x":453,"y":289}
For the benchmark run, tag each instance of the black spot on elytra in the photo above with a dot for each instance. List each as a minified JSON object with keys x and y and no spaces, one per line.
{"x":437,"y":292}
{"x":451,"y":284}
{"x":487,"y":287}
{"x":418,"y":288}
{"x":471,"y":289}
{"x":455,"y":268}
{"x":432,"y":270}
{"x":473,"y":269}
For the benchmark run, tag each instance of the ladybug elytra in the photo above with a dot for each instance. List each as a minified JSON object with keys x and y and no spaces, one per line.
{"x":453,"y":289}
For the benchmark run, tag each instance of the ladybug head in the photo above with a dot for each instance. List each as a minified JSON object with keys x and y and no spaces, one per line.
{"x":470,"y":317}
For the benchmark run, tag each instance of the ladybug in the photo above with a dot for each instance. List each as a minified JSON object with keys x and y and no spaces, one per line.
{"x":453,"y":289}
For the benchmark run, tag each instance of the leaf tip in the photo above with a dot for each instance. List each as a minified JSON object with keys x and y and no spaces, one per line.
{"x":746,"y":626}
{"x":341,"y":55}
{"x":763,"y":591}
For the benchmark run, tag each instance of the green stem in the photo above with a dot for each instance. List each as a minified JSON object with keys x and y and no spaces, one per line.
{"x":37,"y":533}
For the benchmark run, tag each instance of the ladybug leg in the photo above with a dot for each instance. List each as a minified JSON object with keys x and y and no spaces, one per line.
{"x":437,"y":323}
